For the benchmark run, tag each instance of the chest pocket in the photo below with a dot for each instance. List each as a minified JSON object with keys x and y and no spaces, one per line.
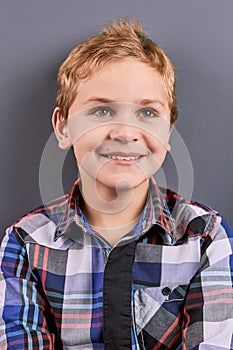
{"x":161,"y":276}
{"x":161,"y":303}
{"x":158,"y":315}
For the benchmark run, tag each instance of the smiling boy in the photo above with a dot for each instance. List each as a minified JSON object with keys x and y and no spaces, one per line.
{"x":111,"y":142}
{"x":119,"y":263}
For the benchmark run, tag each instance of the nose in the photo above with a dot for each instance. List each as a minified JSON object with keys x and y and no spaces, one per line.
{"x":124,"y":133}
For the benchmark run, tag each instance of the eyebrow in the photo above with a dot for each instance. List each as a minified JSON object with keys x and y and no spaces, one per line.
{"x":98,"y":99}
{"x":142,"y":102}
{"x":146,"y":101}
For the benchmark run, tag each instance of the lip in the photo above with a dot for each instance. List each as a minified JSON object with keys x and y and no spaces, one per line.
{"x":122,"y":159}
{"x":117,"y":148}
{"x":122,"y":154}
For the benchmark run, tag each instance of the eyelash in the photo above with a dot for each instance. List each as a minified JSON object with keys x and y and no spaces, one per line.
{"x":152,"y":111}
{"x":98,"y":111}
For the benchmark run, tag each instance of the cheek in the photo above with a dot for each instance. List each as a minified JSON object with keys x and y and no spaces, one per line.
{"x":158,"y":134}
{"x":81,"y":149}
{"x":158,"y":151}
{"x":155,"y":144}
{"x":86,"y":144}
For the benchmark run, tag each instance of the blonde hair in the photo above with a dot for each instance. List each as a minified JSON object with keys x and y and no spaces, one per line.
{"x":119,"y":40}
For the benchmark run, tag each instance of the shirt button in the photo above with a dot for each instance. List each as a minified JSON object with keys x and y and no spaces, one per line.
{"x":166,"y":291}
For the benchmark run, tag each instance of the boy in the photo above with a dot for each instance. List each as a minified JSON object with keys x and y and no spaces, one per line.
{"x":119,"y":263}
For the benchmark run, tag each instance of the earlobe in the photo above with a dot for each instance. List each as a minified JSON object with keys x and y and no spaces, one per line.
{"x":61,"y":130}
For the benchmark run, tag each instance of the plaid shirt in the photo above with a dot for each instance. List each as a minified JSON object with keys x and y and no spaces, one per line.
{"x":165,"y":285}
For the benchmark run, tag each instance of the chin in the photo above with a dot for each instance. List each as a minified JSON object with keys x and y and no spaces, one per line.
{"x":123,"y":184}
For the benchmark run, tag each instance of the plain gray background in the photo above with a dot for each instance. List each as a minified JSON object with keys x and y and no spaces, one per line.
{"x":35,"y":38}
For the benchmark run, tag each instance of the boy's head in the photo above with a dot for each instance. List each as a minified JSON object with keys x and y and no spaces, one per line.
{"x":124,"y":39}
{"x":116,"y":104}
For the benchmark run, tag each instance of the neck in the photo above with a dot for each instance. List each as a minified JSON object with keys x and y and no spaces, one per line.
{"x":112,"y":214}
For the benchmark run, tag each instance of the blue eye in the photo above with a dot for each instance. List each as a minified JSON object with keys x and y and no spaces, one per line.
{"x":102,"y":111}
{"x":148,"y":113}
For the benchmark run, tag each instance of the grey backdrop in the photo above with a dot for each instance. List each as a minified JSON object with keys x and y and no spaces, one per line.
{"x":36,"y":36}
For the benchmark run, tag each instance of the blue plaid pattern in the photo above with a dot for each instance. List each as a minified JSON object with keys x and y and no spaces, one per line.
{"x":53,"y":269}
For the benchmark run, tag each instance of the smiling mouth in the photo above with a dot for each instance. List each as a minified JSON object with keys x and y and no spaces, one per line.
{"x":122,"y":157}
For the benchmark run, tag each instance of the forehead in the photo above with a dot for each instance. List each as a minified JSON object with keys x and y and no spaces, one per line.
{"x":127,"y":81}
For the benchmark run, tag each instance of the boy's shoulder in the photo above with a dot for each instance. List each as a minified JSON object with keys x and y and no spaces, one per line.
{"x":190,"y":217}
{"x":177,"y":203}
{"x":44,"y":219}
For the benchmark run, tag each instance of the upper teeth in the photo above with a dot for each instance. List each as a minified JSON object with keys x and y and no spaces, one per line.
{"x":123,"y":157}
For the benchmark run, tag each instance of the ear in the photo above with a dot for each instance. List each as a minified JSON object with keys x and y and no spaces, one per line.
{"x":61,"y":130}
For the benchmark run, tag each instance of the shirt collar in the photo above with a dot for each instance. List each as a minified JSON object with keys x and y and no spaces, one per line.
{"x":71,"y":212}
{"x":156,"y":212}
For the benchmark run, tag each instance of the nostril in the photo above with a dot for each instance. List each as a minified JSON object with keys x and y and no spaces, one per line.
{"x":124,"y":137}
{"x":123,"y":140}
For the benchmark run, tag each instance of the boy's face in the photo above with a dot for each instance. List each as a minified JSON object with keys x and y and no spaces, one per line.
{"x":119,"y":125}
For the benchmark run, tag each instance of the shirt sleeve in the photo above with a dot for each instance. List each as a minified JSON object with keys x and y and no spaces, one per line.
{"x":24,"y":311}
{"x":208,"y":311}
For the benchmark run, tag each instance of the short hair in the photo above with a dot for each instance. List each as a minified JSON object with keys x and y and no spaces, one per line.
{"x":119,"y":40}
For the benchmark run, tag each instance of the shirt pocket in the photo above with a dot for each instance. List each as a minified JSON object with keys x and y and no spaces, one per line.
{"x":157,"y":308}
